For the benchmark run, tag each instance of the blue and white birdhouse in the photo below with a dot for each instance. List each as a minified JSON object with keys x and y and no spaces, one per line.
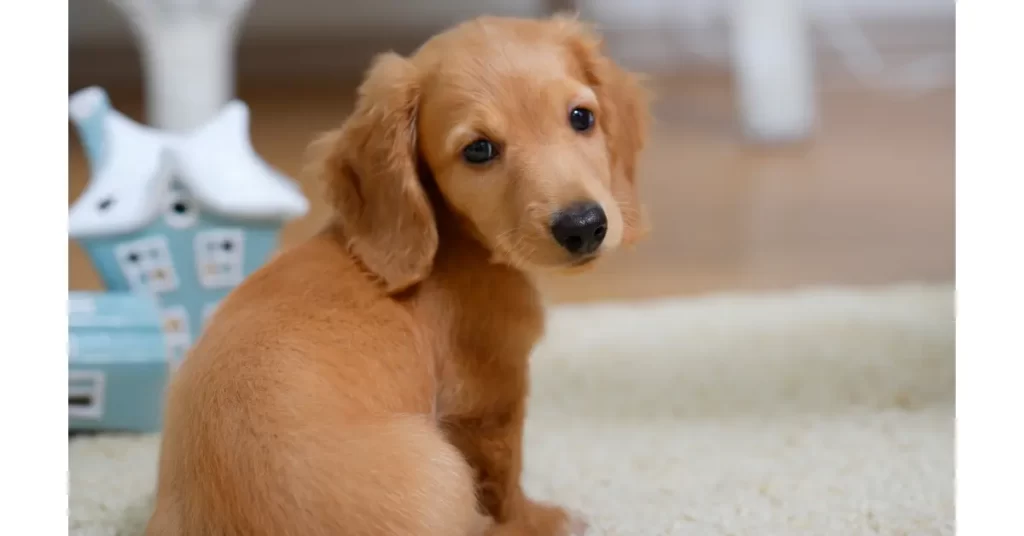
{"x":117,"y":362}
{"x":184,"y":217}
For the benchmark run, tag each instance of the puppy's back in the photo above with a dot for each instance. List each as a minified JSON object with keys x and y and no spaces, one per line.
{"x":311,"y":310}
{"x":306,"y":354}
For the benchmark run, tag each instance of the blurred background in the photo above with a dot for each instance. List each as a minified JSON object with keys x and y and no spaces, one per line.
{"x":855,"y":184}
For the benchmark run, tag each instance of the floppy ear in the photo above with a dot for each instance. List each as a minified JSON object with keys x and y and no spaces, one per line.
{"x":371,"y":169}
{"x":623,"y":117}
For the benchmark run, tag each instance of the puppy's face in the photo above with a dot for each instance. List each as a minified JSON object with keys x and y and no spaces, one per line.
{"x":530,"y":133}
{"x":511,"y":129}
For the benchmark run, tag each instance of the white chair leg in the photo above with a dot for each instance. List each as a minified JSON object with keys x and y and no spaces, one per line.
{"x":188,"y":57}
{"x":773,"y":68}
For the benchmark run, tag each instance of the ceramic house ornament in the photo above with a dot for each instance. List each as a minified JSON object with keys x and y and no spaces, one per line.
{"x":182,"y":216}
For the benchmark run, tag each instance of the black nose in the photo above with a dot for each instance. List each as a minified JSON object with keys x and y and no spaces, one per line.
{"x":580,"y":228}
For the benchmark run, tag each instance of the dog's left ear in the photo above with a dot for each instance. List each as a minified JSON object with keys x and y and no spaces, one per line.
{"x":624,"y":117}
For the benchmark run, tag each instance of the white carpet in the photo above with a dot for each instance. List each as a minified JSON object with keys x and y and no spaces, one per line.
{"x":819,"y":413}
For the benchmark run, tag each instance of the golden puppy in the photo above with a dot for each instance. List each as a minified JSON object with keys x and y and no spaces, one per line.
{"x":372,"y":381}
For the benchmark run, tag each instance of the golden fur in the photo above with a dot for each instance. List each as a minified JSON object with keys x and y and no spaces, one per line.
{"x":372,"y":380}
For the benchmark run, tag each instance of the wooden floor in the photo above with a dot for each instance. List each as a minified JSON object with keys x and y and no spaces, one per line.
{"x":870,"y":200}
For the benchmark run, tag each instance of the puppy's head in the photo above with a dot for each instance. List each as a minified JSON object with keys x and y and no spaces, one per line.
{"x":529,"y":132}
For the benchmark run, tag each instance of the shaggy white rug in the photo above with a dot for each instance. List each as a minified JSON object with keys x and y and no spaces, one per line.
{"x":821,"y":412}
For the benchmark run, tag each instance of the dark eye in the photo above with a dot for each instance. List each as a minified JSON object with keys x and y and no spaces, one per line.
{"x":479,"y":152}
{"x":180,"y":207}
{"x":581,"y":119}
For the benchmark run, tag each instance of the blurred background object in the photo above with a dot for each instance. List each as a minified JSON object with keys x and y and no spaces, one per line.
{"x":188,"y":52}
{"x":862,"y":88}
{"x":773,"y":69}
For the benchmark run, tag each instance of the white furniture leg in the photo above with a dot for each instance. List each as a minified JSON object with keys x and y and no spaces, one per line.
{"x":188,"y":52}
{"x":773,"y":68}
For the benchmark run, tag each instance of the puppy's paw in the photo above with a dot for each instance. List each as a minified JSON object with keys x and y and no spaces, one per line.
{"x":576,"y":524}
{"x":550,"y":519}
{"x":541,"y":519}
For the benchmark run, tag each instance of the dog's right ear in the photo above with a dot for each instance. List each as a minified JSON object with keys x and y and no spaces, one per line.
{"x":370,"y":168}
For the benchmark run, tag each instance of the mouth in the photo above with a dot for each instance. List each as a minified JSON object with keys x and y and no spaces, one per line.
{"x":583,"y":261}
